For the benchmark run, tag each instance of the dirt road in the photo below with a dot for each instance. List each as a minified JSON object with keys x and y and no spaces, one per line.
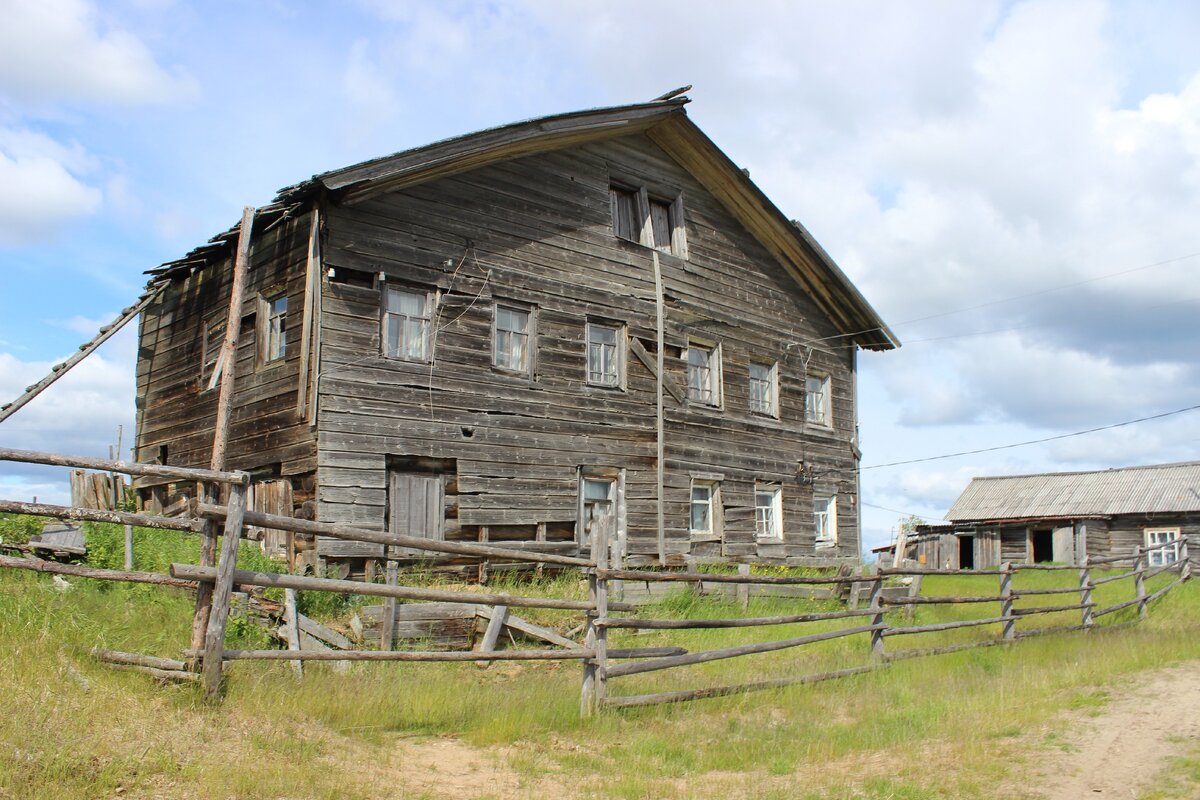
{"x":1120,"y":751}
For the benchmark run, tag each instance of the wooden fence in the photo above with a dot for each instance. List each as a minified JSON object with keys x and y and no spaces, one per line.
{"x":601,"y":664}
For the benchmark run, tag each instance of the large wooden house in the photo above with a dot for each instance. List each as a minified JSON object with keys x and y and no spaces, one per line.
{"x":510,"y":335}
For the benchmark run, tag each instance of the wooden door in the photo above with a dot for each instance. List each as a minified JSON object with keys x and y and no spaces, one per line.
{"x":1064,"y":544}
{"x":599,"y":502}
{"x":416,"y":507}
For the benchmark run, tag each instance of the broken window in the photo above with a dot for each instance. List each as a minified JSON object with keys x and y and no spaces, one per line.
{"x":511,"y":336}
{"x":704,"y":374}
{"x":406,"y":325}
{"x":272,"y":327}
{"x":1163,"y":555}
{"x":764,"y":389}
{"x":212,"y":337}
{"x":825,"y":519}
{"x":816,"y":400}
{"x":652,"y":221}
{"x":605,"y":354}
{"x":768,"y":511}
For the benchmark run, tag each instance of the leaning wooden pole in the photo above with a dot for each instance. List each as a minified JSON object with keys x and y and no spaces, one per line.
{"x":85,"y":350}
{"x":225,"y":363}
{"x":222,"y":592}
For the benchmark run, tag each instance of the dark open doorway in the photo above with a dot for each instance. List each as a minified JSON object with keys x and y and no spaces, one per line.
{"x":966,"y":552}
{"x":1043,"y":546}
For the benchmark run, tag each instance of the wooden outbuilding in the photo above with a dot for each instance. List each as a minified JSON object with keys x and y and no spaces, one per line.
{"x":519,"y":334}
{"x":1063,"y":516}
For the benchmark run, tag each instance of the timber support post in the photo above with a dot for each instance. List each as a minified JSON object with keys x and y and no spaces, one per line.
{"x":743,"y":589}
{"x":387,"y":630}
{"x":1185,"y":571}
{"x":595,"y":669}
{"x":1006,"y":601}
{"x":1085,"y":593}
{"x":214,"y":638}
{"x":1139,"y":580}
{"x":224,"y":371}
{"x":876,"y":608}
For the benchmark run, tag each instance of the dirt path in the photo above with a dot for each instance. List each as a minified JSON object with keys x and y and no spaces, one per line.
{"x":1121,"y":750}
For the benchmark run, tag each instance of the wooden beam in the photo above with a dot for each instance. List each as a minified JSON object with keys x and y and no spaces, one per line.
{"x":406,"y":655}
{"x":53,"y":567}
{"x":276,"y":522}
{"x":491,"y":637}
{"x":312,"y":284}
{"x":98,"y":515}
{"x":85,"y":350}
{"x":226,"y":362}
{"x":126,"y":467}
{"x":291,"y":628}
{"x":250,"y":578}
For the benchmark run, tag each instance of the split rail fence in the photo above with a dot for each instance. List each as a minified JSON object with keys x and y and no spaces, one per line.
{"x":215,"y":583}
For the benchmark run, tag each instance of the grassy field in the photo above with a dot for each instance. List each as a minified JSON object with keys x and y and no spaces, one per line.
{"x":962,"y":725}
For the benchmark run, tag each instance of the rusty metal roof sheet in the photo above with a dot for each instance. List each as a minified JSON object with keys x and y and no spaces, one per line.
{"x":1129,"y":490}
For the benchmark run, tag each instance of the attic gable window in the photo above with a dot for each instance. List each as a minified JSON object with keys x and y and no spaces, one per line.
{"x":406,"y":330}
{"x":656,"y":222}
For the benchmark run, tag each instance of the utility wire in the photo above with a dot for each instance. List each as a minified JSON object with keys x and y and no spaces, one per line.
{"x":898,"y":511}
{"x":1034,"y":441}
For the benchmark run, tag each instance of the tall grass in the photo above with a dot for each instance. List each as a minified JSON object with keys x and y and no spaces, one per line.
{"x":945,"y":726}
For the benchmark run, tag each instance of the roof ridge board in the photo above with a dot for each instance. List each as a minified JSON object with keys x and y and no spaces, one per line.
{"x":1105,"y":471}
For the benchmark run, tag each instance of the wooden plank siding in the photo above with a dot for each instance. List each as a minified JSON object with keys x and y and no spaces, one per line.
{"x":176,"y":410}
{"x":537,"y":231}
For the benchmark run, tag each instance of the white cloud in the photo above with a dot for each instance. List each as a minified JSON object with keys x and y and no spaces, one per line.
{"x":40,"y":187}
{"x":67,"y":50}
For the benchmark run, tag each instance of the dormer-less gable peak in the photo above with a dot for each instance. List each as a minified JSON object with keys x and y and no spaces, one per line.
{"x":666,"y":123}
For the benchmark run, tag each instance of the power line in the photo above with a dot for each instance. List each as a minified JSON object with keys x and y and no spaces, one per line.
{"x":1034,"y":441}
{"x":898,"y":511}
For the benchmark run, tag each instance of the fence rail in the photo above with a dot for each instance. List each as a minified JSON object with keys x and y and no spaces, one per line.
{"x":598,"y":609}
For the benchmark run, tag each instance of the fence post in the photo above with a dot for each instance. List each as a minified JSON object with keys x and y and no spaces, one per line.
{"x":1085,"y":592}
{"x":214,"y":638}
{"x":1139,"y":580}
{"x":1185,"y":571}
{"x":743,"y":589}
{"x":876,"y":608}
{"x":1006,"y":601}
{"x":595,"y":670}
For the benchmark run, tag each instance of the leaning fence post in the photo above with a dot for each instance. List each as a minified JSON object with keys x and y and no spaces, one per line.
{"x":214,"y":638}
{"x":1139,"y":580}
{"x":1085,"y":592}
{"x":1006,"y":601}
{"x":876,"y":608}
{"x":595,"y":669}
{"x":1185,"y":570}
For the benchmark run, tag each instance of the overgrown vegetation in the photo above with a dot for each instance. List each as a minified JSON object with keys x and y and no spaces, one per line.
{"x":953,"y":726}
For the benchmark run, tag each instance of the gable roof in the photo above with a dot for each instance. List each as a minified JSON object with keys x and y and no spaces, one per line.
{"x":1155,"y":489}
{"x":665,"y":122}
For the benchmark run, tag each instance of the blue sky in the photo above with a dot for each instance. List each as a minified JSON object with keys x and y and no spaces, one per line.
{"x":949,"y":155}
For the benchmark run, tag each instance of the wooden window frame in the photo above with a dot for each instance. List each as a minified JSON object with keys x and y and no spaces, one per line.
{"x":530,"y":337}
{"x":829,"y":513}
{"x":825,"y":418}
{"x":715,"y":378}
{"x":1158,"y":558}
{"x":268,"y":354}
{"x":772,"y":380}
{"x":620,"y":346}
{"x":210,"y":352}
{"x":385,"y":317}
{"x":775,"y":505}
{"x":713,"y":531}
{"x":645,"y":205}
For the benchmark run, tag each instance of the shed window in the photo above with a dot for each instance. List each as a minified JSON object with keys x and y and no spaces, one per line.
{"x":816,"y":400}
{"x":825,"y":519}
{"x":406,"y":329}
{"x":704,"y":374}
{"x":1163,"y":555}
{"x":605,"y":355}
{"x":703,"y":507}
{"x":764,"y":389}
{"x":273,"y":327}
{"x":768,"y":511}
{"x":511,"y":339}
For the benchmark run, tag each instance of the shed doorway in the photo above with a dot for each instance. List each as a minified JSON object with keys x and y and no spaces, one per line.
{"x":966,"y":552}
{"x":1041,"y":545}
